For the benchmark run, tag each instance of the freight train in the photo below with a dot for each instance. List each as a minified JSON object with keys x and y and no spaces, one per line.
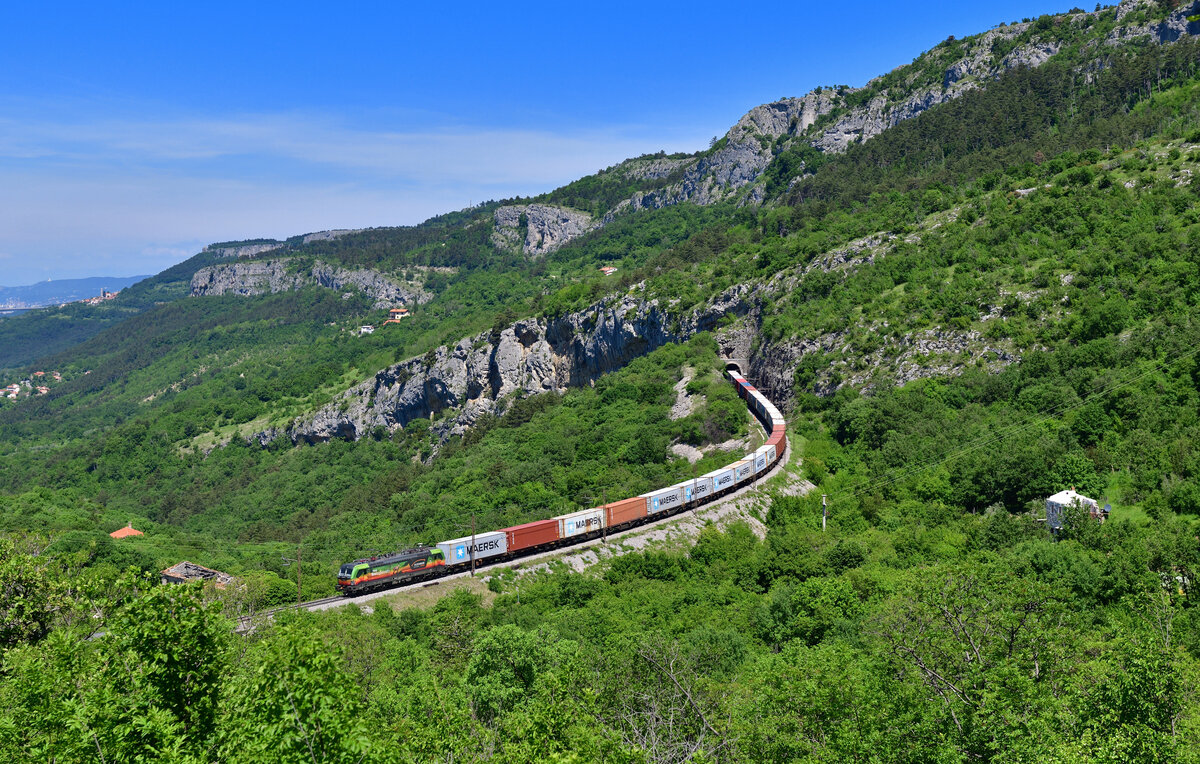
{"x":460,"y":554}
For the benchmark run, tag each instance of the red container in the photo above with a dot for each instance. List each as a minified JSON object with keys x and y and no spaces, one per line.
{"x":532,"y":534}
{"x":625,"y":510}
{"x":775,"y":440}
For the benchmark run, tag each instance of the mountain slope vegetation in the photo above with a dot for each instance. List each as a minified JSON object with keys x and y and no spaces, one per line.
{"x":979,"y":306}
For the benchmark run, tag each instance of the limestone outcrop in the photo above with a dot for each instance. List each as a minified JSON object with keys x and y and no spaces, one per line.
{"x":536,"y":229}
{"x":457,"y":384}
{"x":257,"y":277}
{"x":244,"y":250}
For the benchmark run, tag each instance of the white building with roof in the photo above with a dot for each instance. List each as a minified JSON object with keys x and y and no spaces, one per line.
{"x":1057,"y":505}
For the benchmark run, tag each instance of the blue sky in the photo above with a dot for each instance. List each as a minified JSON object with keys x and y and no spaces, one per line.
{"x":133,"y":134}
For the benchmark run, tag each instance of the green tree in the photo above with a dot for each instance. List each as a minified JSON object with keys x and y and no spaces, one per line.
{"x":293,"y":702}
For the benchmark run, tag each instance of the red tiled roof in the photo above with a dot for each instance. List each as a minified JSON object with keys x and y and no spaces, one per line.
{"x":128,"y":530}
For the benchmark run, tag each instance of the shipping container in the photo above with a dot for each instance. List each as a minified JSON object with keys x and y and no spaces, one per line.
{"x":759,"y":402}
{"x":664,"y":500}
{"x":743,"y":470}
{"x":580,"y":523}
{"x":489,"y":544}
{"x":625,"y":511}
{"x":722,"y":478}
{"x":531,"y":534}
{"x":764,"y":456}
{"x":689,"y":490}
{"x":702,"y":488}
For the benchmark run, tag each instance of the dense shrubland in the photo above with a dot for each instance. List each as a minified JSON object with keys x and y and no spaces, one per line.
{"x":919,"y":633}
{"x":934,"y":620}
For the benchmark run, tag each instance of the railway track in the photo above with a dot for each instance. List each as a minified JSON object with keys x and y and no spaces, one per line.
{"x":247,"y":623}
{"x":773,"y":454}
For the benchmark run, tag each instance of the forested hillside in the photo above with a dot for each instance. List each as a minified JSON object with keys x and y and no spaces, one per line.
{"x":979,"y":306}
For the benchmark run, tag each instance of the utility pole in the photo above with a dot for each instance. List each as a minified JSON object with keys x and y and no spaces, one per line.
{"x":603,"y":515}
{"x":824,"y":512}
{"x":472,"y":543}
{"x":299,"y":571}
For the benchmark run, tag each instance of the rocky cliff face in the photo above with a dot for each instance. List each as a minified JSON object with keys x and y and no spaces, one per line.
{"x":244,"y":250}
{"x":475,"y":376}
{"x":455,"y":385}
{"x":1179,"y":24}
{"x":258,"y":248}
{"x":280,"y":275}
{"x":546,"y":227}
{"x":751,"y":144}
{"x":744,"y":153}
{"x":748,"y":147}
{"x":329,"y":235}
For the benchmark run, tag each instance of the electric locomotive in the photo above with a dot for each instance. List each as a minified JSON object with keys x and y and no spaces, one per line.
{"x":388,"y":570}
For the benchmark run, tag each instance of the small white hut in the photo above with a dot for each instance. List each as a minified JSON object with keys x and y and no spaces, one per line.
{"x":1057,"y":505}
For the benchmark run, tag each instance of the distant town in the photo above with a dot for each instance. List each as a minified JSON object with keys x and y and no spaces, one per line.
{"x":18,"y":304}
{"x":92,"y":290}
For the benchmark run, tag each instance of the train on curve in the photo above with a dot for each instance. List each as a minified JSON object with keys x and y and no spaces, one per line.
{"x":421,"y":563}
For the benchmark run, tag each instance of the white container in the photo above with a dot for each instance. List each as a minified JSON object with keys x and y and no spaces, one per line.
{"x":743,"y":470}
{"x":580,"y":523}
{"x":762,"y":457}
{"x":702,"y":488}
{"x":666,"y":499}
{"x":760,"y":401}
{"x":489,"y":544}
{"x":722,"y":478}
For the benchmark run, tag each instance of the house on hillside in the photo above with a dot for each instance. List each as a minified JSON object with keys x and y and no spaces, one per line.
{"x":608,"y":270}
{"x":125,"y":532}
{"x":184,"y":572}
{"x":366,"y":329}
{"x":395,"y":315}
{"x":1058,"y":504}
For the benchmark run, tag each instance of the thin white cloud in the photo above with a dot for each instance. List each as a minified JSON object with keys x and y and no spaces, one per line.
{"x":139,"y":195}
{"x":482,"y":155}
